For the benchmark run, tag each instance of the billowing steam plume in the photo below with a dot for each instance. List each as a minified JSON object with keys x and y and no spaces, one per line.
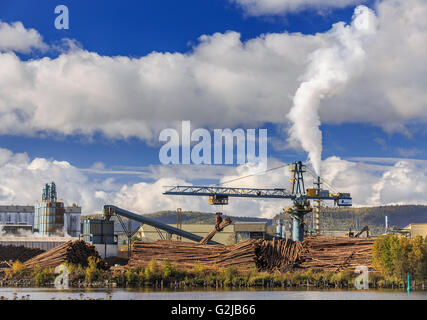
{"x":329,"y":70}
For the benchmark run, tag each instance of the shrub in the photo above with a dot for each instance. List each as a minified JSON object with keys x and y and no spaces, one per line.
{"x":199,"y":268}
{"x":397,"y":256}
{"x":168,"y":269}
{"x":153,"y":267}
{"x":16,"y":270}
{"x":152,"y":271}
{"x":92,"y":273}
{"x":75,"y":272}
{"x":44,"y":277}
{"x":131,"y":276}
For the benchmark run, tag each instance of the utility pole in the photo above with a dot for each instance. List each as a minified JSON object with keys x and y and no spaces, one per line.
{"x":178,"y":221}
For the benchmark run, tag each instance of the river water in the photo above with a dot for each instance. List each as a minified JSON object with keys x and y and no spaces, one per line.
{"x":211,"y":294}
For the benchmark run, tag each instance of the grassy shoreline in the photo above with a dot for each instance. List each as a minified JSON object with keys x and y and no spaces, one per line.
{"x":165,"y":275}
{"x":394,"y":257}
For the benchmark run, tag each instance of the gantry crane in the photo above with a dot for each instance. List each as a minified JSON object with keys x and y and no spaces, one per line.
{"x":297,"y":193}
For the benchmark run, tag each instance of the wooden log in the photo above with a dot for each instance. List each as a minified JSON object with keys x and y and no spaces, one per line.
{"x":227,"y":221}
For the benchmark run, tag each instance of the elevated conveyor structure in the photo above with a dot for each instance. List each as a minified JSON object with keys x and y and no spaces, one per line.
{"x":110,"y":210}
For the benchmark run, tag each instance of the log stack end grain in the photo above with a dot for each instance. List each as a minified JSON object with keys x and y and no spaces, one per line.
{"x":76,"y":252}
{"x":21,"y":253}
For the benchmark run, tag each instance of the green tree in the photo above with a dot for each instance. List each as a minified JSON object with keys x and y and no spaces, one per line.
{"x":397,"y":256}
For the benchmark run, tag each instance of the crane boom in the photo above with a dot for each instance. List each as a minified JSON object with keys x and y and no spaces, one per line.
{"x":298,"y":194}
{"x":223,"y":192}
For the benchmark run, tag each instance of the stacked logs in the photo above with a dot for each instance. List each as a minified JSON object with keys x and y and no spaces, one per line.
{"x":326,"y":254}
{"x":280,"y":255}
{"x":183,"y":254}
{"x":21,"y":253}
{"x":75,"y":252}
{"x":227,"y":221}
{"x":262,"y":254}
{"x":334,"y":254}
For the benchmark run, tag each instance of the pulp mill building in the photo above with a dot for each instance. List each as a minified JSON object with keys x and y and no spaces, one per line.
{"x":45,"y":225}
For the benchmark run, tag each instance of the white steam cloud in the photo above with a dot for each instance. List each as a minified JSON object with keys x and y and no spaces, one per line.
{"x":327,"y":74}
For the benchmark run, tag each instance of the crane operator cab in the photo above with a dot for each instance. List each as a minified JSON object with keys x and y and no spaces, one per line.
{"x":343,"y":200}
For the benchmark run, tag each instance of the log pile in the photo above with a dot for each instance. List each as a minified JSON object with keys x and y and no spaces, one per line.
{"x":326,"y":254}
{"x":21,"y":253}
{"x":334,"y":254}
{"x":75,"y":252}
{"x":227,"y":221}
{"x":280,"y":255}
{"x":262,"y":254}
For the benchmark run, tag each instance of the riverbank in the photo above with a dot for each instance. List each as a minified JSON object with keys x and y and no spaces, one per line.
{"x":228,"y":294}
{"x":166,"y":276}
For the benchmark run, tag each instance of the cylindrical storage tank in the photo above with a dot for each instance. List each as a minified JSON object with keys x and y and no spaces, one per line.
{"x":279,"y":228}
{"x":298,"y":227}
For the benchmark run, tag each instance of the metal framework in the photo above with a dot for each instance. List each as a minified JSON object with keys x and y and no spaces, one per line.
{"x":129,"y":233}
{"x":228,"y":192}
{"x":244,"y":193}
{"x":297,"y":193}
{"x":110,"y":210}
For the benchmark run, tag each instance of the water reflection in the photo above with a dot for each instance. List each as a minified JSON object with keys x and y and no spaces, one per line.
{"x":205,"y":294}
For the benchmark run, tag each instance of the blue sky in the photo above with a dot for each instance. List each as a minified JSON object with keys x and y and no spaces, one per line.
{"x":135,"y":29}
{"x":140,"y":27}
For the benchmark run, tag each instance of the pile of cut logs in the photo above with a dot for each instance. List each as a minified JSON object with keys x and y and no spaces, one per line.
{"x":21,"y":253}
{"x":326,"y":254}
{"x":334,"y":254}
{"x":262,"y":254}
{"x":75,"y":252}
{"x":278,"y":255}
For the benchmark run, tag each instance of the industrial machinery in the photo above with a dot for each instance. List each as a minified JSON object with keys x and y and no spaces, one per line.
{"x":297,"y":193}
{"x":351,"y":234}
{"x":364,"y":229}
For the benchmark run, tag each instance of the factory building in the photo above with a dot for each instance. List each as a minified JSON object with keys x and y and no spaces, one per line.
{"x":100,"y":233}
{"x":48,"y":217}
{"x":43,"y":243}
{"x":72,"y":223}
{"x":416,"y":229}
{"x":16,"y":215}
{"x":231,"y":234}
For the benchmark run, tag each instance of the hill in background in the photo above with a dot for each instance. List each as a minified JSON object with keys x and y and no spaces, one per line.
{"x":335,"y":218}
{"x":190,"y":217}
{"x":195,"y":217}
{"x":399,"y":215}
{"x":332,"y":218}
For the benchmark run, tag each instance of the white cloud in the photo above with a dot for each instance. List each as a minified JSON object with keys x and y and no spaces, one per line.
{"x":392,"y":89}
{"x":15,"y":37}
{"x":223,"y":82}
{"x":217,"y":85}
{"x":402,"y":182}
{"x":276,"y":7}
{"x":329,"y":72}
{"x":23,"y":180}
